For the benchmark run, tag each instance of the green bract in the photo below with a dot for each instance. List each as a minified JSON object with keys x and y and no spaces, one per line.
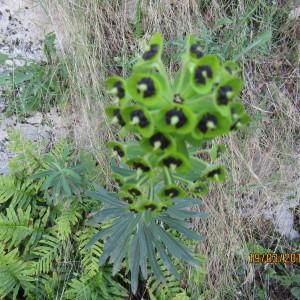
{"x":173,"y":124}
{"x":117,"y":87}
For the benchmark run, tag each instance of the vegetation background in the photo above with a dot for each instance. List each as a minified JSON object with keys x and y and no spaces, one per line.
{"x":101,"y":37}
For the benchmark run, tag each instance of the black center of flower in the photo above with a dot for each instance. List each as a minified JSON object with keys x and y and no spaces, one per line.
{"x":139,"y":165}
{"x":214,"y":172}
{"x":135,"y":192}
{"x":202,"y":125}
{"x":133,"y":210}
{"x":150,"y":53}
{"x":159,"y":137}
{"x":143,"y":121}
{"x":150,"y":90}
{"x":222,"y":96}
{"x":150,"y":206}
{"x":127,"y":199}
{"x":164,"y":208}
{"x":171,"y":192}
{"x":195,"y":49}
{"x":117,"y":113}
{"x":119,"y":182}
{"x":175,"y":112}
{"x":202,"y":73}
{"x":120,"y":89}
{"x":168,"y":161}
{"x":119,"y":151}
{"x":199,"y":188}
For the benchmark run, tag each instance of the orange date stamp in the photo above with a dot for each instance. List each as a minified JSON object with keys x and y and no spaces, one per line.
{"x":274,"y":258}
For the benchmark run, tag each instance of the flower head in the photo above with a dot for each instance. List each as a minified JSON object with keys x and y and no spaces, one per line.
{"x":171,"y":191}
{"x":176,"y":118}
{"x":139,"y":119}
{"x":175,"y":161}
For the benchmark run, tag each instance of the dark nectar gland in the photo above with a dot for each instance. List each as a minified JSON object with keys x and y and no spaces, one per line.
{"x":175,"y":117}
{"x":146,"y":86}
{"x":202,"y":73}
{"x":207,"y":122}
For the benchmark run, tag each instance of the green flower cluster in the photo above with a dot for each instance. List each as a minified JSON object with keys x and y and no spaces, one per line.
{"x":172,"y":118}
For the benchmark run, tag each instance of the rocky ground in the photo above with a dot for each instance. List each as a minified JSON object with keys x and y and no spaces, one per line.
{"x":23,"y":26}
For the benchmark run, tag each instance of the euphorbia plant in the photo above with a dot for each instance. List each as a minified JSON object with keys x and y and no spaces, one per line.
{"x":162,"y":172}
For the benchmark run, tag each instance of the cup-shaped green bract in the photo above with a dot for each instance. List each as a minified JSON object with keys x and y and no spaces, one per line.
{"x":140,"y":164}
{"x":118,"y":179}
{"x":215,"y":173}
{"x":199,"y":188}
{"x":150,"y":206}
{"x":126,"y":197}
{"x":211,"y":123}
{"x":194,"y":48}
{"x":170,"y":191}
{"x":204,"y":74}
{"x":139,"y":119}
{"x":216,"y":151}
{"x":117,"y":87}
{"x":117,"y":148}
{"x":114,"y":113}
{"x":132,"y":189}
{"x":230,"y":68}
{"x":148,"y":88}
{"x":175,"y":161}
{"x":176,"y":118}
{"x":158,"y":142}
{"x":227,"y":90}
{"x":152,"y":54}
{"x":239,"y":117}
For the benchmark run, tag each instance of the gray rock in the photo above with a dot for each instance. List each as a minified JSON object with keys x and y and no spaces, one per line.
{"x":4,"y":169}
{"x":33,"y":133}
{"x":35,"y":119}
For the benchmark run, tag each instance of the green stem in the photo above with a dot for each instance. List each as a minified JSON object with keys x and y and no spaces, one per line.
{"x":151,"y":191}
{"x":167,"y":175}
{"x":143,"y":180}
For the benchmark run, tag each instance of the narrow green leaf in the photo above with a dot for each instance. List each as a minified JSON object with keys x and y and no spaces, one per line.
{"x":133,"y":259}
{"x":181,"y":227}
{"x":186,"y":202}
{"x":143,"y":250}
{"x":103,"y":196}
{"x":174,"y":246}
{"x":152,"y":259}
{"x":185,"y":214}
{"x":164,"y":256}
{"x":104,"y":214}
{"x":260,"y":40}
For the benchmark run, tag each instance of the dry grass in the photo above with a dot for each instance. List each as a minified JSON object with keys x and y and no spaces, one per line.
{"x":102,"y":37}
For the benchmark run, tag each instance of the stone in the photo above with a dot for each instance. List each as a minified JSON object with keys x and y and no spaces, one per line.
{"x":35,"y":119}
{"x":33,"y":133}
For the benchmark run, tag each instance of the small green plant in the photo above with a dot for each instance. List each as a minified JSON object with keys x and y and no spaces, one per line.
{"x":42,"y":242}
{"x":161,"y":172}
{"x":36,"y":85}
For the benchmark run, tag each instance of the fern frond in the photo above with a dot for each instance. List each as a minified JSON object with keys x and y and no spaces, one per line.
{"x":20,"y":194}
{"x":14,"y":273}
{"x":167,"y":290}
{"x":64,"y":223}
{"x":15,"y":226}
{"x":90,"y":257}
{"x":100,"y":286}
{"x":94,"y":282}
{"x":47,"y":252}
